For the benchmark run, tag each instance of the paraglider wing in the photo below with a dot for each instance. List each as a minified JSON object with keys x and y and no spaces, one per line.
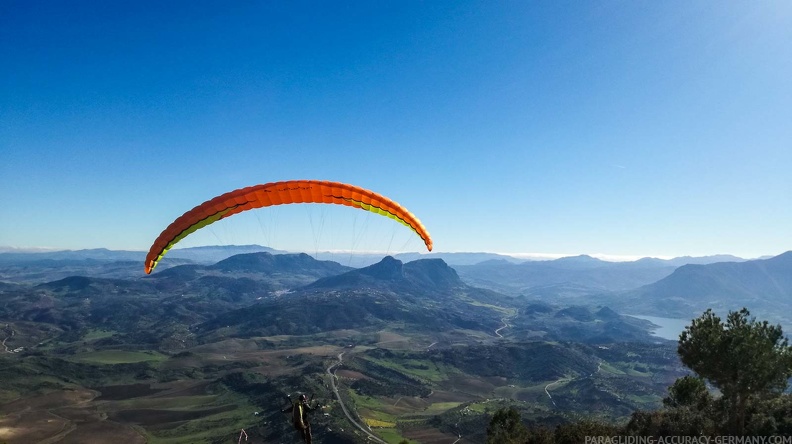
{"x":280,"y":193}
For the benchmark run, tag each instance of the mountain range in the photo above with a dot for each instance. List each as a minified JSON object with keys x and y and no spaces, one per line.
{"x":212,"y":254}
{"x":413,"y":330}
{"x":644,"y":287}
{"x":764,"y":286}
{"x":261,"y":294}
{"x":425,"y":294}
{"x":559,"y":339}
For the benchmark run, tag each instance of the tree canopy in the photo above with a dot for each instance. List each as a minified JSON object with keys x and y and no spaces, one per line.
{"x":742,"y":357}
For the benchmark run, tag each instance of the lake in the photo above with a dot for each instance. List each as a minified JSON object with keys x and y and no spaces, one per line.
{"x":667,"y":328}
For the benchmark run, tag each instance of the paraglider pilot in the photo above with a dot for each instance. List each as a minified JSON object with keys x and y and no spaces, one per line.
{"x":299,"y":412}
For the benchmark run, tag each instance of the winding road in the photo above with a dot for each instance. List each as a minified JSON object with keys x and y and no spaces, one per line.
{"x":331,"y":371}
{"x":554,"y":383}
{"x":505,"y":325}
{"x":570,"y":380}
{"x":7,"y":338}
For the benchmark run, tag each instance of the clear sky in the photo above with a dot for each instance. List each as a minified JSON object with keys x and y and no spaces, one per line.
{"x":622,"y":128}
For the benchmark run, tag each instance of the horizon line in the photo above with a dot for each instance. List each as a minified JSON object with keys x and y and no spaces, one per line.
{"x":520,"y":255}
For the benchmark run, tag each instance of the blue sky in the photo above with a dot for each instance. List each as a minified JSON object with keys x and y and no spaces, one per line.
{"x":620,"y":128}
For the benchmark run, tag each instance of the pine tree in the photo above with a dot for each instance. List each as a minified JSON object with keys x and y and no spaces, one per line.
{"x":506,"y":427}
{"x":741,"y":357}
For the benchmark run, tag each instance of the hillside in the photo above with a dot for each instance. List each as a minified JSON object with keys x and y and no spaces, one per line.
{"x":563,"y":278}
{"x":424,"y":294}
{"x":764,"y":286}
{"x":192,"y":350}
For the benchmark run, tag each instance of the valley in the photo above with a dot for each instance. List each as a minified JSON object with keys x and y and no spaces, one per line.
{"x":392,"y":352}
{"x":389,"y":384}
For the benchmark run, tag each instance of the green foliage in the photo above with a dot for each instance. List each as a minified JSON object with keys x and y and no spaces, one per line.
{"x":742,"y":357}
{"x":778,"y":410}
{"x":506,"y":427}
{"x":576,"y":433}
{"x":540,"y":435}
{"x":688,"y":391}
{"x":681,"y":421}
{"x":748,"y":361}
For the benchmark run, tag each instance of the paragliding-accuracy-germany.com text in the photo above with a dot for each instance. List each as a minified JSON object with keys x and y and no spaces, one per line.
{"x":688,"y":440}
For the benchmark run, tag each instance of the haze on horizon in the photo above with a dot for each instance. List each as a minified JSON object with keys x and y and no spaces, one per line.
{"x":346,"y":254}
{"x":618,"y":130}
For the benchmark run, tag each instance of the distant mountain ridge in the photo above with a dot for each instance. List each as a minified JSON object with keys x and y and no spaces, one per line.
{"x":573,"y":276}
{"x":99,"y":254}
{"x":215,"y":253}
{"x":273,"y":272}
{"x":265,"y":262}
{"x":268,"y":294}
{"x":423,"y":273}
{"x":208,"y":255}
{"x":565,"y":277}
{"x":764,"y":286}
{"x":700,"y":260}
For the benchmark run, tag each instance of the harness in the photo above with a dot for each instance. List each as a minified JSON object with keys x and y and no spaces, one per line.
{"x":297,"y":416}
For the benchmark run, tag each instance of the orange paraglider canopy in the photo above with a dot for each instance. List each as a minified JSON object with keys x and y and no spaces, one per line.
{"x":280,"y":193}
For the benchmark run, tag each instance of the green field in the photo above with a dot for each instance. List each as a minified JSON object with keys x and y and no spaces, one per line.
{"x":440,"y":407}
{"x":118,"y":357}
{"x":423,"y":369}
{"x":392,"y":436}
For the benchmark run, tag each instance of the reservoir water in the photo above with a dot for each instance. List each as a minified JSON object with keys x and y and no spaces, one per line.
{"x":667,"y":328}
